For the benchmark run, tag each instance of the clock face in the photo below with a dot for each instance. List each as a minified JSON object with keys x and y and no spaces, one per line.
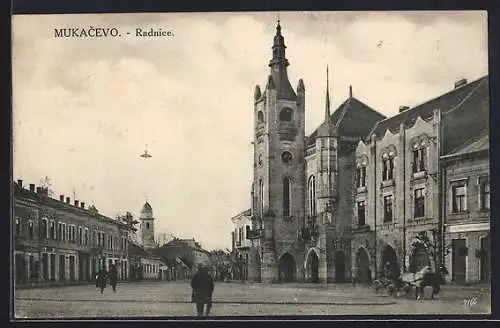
{"x":286,"y":157}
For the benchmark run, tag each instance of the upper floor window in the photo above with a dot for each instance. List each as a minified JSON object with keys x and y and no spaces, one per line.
{"x":459,"y":198}
{"x":286,"y":197}
{"x":419,"y":206}
{"x":59,"y":230}
{"x":484,"y":195}
{"x":52,"y":230}
{"x":64,"y":232}
{"x":80,"y":235}
{"x":147,"y":225}
{"x":361,"y":176}
{"x":44,"y":232}
{"x":86,"y":236}
{"x":18,"y":227}
{"x":286,"y":114}
{"x":31,"y":230}
{"x":419,"y":159}
{"x":387,"y":168}
{"x":311,"y":186}
{"x":361,"y":213}
{"x":388,"y":208}
{"x":260,"y":117}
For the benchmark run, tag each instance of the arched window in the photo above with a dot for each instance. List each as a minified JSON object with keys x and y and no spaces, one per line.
{"x":286,"y":197}
{"x":311,"y":192}
{"x":147,"y":225}
{"x":260,"y":117}
{"x":286,"y":114}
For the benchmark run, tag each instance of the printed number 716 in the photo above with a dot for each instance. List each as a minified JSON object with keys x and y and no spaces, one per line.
{"x":470,"y":301}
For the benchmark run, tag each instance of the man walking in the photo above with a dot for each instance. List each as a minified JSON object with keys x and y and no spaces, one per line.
{"x":203,"y":287}
{"x":113,"y":276}
{"x":102,"y":276}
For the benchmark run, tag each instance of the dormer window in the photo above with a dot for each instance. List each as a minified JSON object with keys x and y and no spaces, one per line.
{"x":286,"y":114}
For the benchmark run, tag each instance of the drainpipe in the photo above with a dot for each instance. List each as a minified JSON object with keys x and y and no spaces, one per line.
{"x":403,"y":132}
{"x":374,"y":159}
{"x":440,"y":180}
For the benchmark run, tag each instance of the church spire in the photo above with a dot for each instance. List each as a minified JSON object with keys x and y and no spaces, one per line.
{"x":278,"y":67}
{"x":327,"y":102}
{"x":279,"y":47}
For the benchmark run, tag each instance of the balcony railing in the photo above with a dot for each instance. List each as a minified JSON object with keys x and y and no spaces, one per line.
{"x":310,"y":231}
{"x":254,"y":234}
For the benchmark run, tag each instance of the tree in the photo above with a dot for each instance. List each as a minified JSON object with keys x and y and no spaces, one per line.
{"x":129,"y":220}
{"x":433,"y":245}
{"x":46,"y":183}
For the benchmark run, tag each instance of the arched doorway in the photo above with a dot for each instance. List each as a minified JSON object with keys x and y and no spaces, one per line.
{"x":419,"y":258}
{"x":363,"y":273}
{"x":312,"y":266}
{"x":389,"y":256}
{"x":286,"y":268}
{"x":340,"y":267}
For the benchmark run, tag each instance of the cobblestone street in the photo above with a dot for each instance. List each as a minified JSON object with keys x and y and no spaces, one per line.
{"x":163,"y":299}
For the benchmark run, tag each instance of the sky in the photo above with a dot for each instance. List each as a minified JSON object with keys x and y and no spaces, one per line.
{"x":84,"y":109}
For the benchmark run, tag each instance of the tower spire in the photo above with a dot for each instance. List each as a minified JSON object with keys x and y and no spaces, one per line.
{"x":327,"y":102}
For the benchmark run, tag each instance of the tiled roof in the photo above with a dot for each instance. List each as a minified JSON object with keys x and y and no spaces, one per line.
{"x":469,"y":120}
{"x":474,"y":145}
{"x":352,"y":118}
{"x":444,"y":102}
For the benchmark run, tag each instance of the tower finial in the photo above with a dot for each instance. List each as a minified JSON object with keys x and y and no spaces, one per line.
{"x":327,"y":102}
{"x":350,"y":91}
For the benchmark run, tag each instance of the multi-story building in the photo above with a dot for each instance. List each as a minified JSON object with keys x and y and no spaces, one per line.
{"x":242,"y":243}
{"x":59,"y":241}
{"x":362,"y":190}
{"x":466,"y":211}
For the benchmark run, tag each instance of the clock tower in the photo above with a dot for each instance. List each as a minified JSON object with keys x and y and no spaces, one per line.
{"x":279,"y":169}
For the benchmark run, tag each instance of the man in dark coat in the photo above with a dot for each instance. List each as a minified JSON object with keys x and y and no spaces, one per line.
{"x":203,"y":287}
{"x":113,"y":276}
{"x":102,"y":275}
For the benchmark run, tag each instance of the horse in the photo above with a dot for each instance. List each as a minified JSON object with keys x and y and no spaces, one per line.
{"x":426,"y":277}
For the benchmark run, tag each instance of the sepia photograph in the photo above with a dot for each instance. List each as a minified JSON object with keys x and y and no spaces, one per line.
{"x":205,"y":165}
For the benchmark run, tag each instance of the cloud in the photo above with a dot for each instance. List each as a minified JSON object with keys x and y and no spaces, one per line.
{"x":85,"y":109}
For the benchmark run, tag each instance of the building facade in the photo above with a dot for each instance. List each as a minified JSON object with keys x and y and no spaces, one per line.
{"x":56,"y":241}
{"x":363,"y":190}
{"x":466,"y":211}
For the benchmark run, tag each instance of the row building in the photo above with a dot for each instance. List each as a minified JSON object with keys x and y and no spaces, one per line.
{"x":59,"y":241}
{"x":364,"y":190}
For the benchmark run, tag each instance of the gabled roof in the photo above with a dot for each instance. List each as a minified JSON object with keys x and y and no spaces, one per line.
{"x":474,"y":145}
{"x":468,"y":121}
{"x":352,"y":118}
{"x":444,"y":102}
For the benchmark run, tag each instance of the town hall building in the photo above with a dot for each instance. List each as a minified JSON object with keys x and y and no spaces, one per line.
{"x":364,"y":190}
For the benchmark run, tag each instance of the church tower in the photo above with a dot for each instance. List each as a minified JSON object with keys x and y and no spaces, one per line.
{"x":147,"y":226}
{"x":279,"y":169}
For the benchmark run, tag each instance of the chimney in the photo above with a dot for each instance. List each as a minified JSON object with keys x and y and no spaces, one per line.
{"x":76,"y":203}
{"x":20,"y":184}
{"x":403,"y":108}
{"x":67,"y":200}
{"x":61,"y":198}
{"x":38,"y":190}
{"x":82,"y":205}
{"x":460,"y":83}
{"x":32,"y":187}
